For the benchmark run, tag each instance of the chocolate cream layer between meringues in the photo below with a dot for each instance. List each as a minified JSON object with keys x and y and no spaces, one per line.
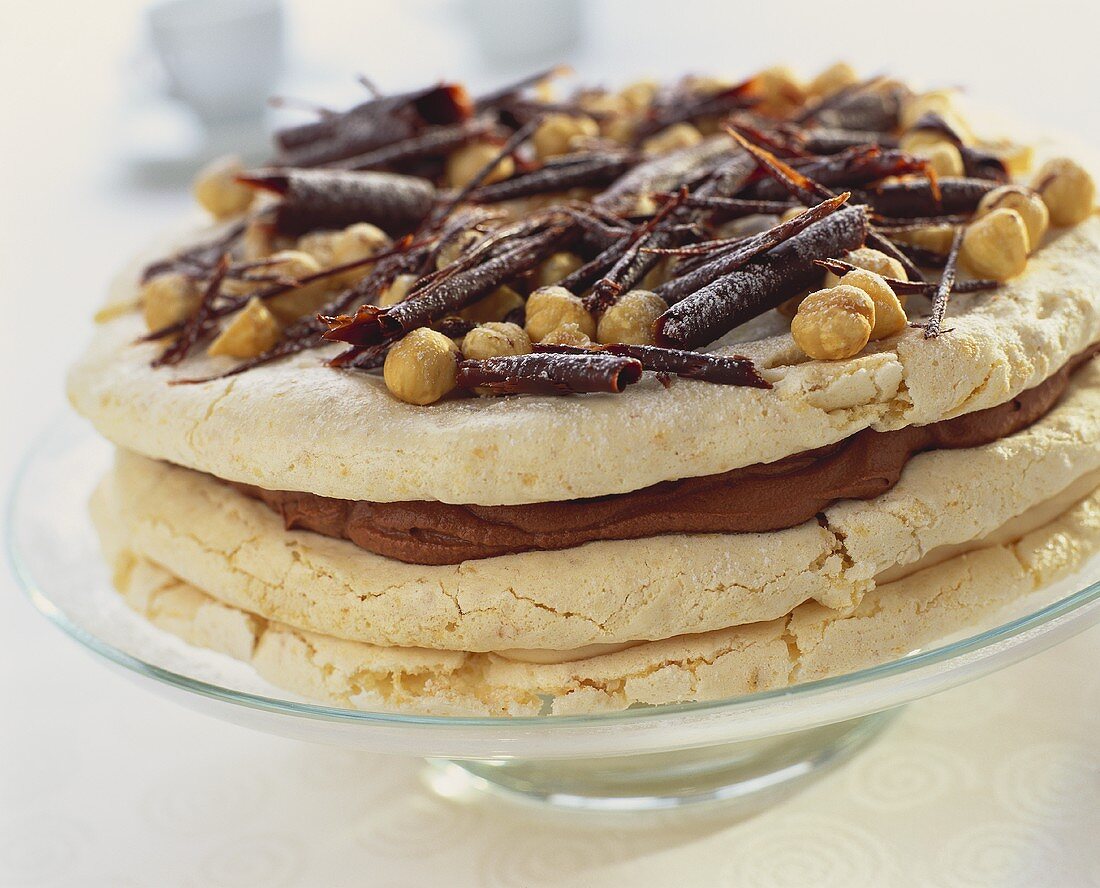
{"x":757,"y":498}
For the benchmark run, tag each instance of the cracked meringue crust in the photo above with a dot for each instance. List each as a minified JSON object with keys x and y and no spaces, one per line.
{"x":605,"y":592}
{"x":811,"y":642}
{"x":298,"y":425}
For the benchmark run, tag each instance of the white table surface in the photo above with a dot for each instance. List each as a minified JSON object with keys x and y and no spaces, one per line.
{"x":102,"y":784}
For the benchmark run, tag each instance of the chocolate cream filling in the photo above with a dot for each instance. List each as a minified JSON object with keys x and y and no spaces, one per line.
{"x":762,"y":497}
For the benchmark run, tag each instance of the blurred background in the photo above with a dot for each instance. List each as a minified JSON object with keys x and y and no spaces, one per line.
{"x":109,"y":107}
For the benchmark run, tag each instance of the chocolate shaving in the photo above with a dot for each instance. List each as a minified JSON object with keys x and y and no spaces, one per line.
{"x":719,"y":369}
{"x":438,"y":141}
{"x":371,"y":325}
{"x":201,"y":323}
{"x":588,"y":169}
{"x":806,"y":190}
{"x":550,"y":374}
{"x":763,"y":284}
{"x":680,"y":287}
{"x":833,"y":141}
{"x":372,"y":124}
{"x":916,"y":197}
{"x":666,"y":172}
{"x":202,"y":257}
{"x":855,"y":166}
{"x":934,"y":326}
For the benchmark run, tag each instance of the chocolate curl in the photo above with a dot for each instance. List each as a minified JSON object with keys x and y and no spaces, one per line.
{"x":934,"y":325}
{"x":325,"y":199}
{"x":200,"y":324}
{"x":862,"y":109}
{"x":436,"y":142}
{"x":855,"y":166}
{"x":371,"y":325}
{"x":840,"y":268}
{"x":589,"y":169}
{"x":727,"y":208}
{"x":550,"y":374}
{"x":494,"y":98}
{"x":683,"y":105}
{"x":806,"y":190}
{"x":720,"y":369}
{"x":202,"y":256}
{"x":918,"y":198}
{"x":665,"y":173}
{"x":763,"y":284}
{"x":678,"y":288}
{"x":371,"y":125}
{"x":977,"y":163}
{"x":829,"y":141}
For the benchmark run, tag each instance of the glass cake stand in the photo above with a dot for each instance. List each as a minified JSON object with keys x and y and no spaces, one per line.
{"x":749,"y":750}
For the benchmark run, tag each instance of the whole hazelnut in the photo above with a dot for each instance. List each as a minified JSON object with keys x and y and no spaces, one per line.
{"x":495,"y":340}
{"x":421,"y":368}
{"x":1067,"y":189}
{"x":996,"y":245}
{"x":396,"y":291}
{"x":872,"y":260}
{"x":169,"y":299}
{"x":217,"y":190}
{"x":890,"y":316}
{"x":466,"y":162}
{"x":304,"y":300}
{"x":1024,"y":201}
{"x":557,"y":267}
{"x":568,"y":334}
{"x":834,"y":324}
{"x":944,"y":159}
{"x":561,"y":133}
{"x":833,"y":79}
{"x":550,"y":307}
{"x":494,"y":307}
{"x":937,"y":238}
{"x":630,"y":320}
{"x":672,"y":138}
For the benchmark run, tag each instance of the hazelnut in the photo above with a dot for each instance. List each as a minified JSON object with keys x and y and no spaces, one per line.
{"x":672,"y":138}
{"x":168,"y":299}
{"x":568,"y":334}
{"x":557,"y":267}
{"x":782,"y":89}
{"x":937,"y":238}
{"x":321,"y":245}
{"x":834,"y":324}
{"x":630,"y":320}
{"x":1024,"y":201}
{"x":561,"y":133}
{"x":396,"y":291}
{"x":996,"y":245}
{"x":943,"y":102}
{"x":466,"y":162}
{"x":302,"y":300}
{"x":889,"y":314}
{"x":550,"y":307}
{"x":944,"y":159}
{"x":620,"y":128}
{"x":252,"y":331}
{"x":260,"y":239}
{"x":455,"y":247}
{"x":920,"y":140}
{"x":494,"y":340}
{"x":871,"y":260}
{"x":1067,"y":189}
{"x":359,"y":241}
{"x":639,"y":95}
{"x":494,"y":307}
{"x":421,"y":367}
{"x":833,"y":79}
{"x":217,"y":190}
